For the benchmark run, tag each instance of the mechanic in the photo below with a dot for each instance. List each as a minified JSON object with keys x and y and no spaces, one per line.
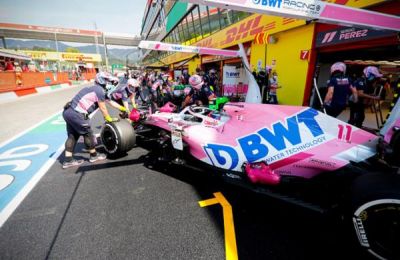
{"x":199,"y":94}
{"x":273,"y":86}
{"x":364,"y":85}
{"x":339,"y":88}
{"x":185,"y":77}
{"x":76,"y":115}
{"x":123,"y":92}
{"x":211,"y":81}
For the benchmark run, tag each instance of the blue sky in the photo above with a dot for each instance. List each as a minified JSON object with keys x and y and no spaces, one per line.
{"x":118,"y":16}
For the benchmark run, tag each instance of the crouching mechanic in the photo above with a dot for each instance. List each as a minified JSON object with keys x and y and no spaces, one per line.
{"x":76,"y":115}
{"x":199,"y":94}
{"x":122,"y":93}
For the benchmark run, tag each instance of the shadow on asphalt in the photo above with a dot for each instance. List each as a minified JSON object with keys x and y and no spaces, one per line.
{"x":267,"y":228}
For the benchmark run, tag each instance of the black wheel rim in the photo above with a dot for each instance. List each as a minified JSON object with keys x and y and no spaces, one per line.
{"x":109,"y":139}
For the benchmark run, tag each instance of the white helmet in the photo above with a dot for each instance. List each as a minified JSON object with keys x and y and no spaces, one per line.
{"x":102,"y":78}
{"x":338,"y":66}
{"x":196,"y":82}
{"x":372,"y":72}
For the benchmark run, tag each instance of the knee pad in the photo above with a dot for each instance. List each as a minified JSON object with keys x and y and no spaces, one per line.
{"x":70,"y":143}
{"x":89,"y":141}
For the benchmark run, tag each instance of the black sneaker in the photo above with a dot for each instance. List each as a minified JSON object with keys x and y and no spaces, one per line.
{"x":72,"y":163}
{"x":98,"y":157}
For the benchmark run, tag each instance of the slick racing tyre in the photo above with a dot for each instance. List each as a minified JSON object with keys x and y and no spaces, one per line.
{"x":118,"y":137}
{"x":376,"y":214}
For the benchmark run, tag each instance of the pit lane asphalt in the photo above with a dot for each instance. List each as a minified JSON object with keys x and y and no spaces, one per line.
{"x":130,"y":208}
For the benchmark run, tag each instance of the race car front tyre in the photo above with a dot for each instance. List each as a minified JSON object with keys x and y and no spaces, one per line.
{"x":376,"y":214}
{"x":118,"y":137}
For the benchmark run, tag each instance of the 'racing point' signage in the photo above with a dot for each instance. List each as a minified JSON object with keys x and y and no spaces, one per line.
{"x":346,"y":34}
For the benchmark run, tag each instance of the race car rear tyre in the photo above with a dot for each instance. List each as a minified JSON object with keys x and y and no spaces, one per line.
{"x":118,"y":137}
{"x":376,"y":214}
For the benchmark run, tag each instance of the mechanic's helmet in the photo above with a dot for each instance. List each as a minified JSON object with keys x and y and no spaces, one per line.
{"x":372,"y":72}
{"x":212,"y":71}
{"x":102,"y":78}
{"x":196,"y":82}
{"x":185,"y":72}
{"x":134,"y":116}
{"x":186,"y":91}
{"x":338,"y":67}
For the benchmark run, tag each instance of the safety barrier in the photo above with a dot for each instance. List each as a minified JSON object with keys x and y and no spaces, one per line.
{"x":23,"y":82}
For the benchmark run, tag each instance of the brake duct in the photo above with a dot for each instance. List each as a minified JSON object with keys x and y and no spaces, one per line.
{"x":261,"y":173}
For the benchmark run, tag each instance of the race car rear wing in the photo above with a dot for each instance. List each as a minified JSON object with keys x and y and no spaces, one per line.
{"x":310,"y":10}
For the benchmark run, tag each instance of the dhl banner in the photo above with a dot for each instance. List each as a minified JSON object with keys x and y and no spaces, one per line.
{"x":240,"y":32}
{"x":256,"y":24}
{"x":63,"y":56}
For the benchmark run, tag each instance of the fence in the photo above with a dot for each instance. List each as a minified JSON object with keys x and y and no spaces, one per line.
{"x":23,"y":81}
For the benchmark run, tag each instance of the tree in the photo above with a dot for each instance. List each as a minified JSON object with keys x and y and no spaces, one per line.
{"x":72,"y":49}
{"x":37,"y":48}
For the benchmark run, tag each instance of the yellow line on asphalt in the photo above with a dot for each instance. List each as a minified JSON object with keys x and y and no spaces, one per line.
{"x":229,"y":227}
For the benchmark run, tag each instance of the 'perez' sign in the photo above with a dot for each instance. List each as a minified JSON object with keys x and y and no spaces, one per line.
{"x":345,"y":34}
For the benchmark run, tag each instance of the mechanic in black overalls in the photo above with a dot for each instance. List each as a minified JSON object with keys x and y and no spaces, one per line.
{"x":339,"y":89}
{"x":365,"y":87}
{"x":76,"y":115}
{"x":199,"y":94}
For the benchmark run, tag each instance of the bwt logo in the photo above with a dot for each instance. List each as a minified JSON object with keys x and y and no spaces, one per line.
{"x":271,"y":3}
{"x":177,"y":48}
{"x":232,"y":74}
{"x":256,"y":146}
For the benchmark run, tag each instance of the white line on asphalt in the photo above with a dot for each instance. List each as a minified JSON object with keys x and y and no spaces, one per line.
{"x":14,"y":203}
{"x":27,"y":130}
{"x":43,"y":93}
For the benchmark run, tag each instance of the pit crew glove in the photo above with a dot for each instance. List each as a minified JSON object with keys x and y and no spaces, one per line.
{"x":123,"y":109}
{"x":110,"y":119}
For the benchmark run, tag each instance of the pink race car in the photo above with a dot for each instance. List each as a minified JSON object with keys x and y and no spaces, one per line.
{"x":296,"y":154}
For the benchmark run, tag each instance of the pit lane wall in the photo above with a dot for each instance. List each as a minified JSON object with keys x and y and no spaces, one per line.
{"x":35,"y":83}
{"x":23,"y":83}
{"x":290,"y":53}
